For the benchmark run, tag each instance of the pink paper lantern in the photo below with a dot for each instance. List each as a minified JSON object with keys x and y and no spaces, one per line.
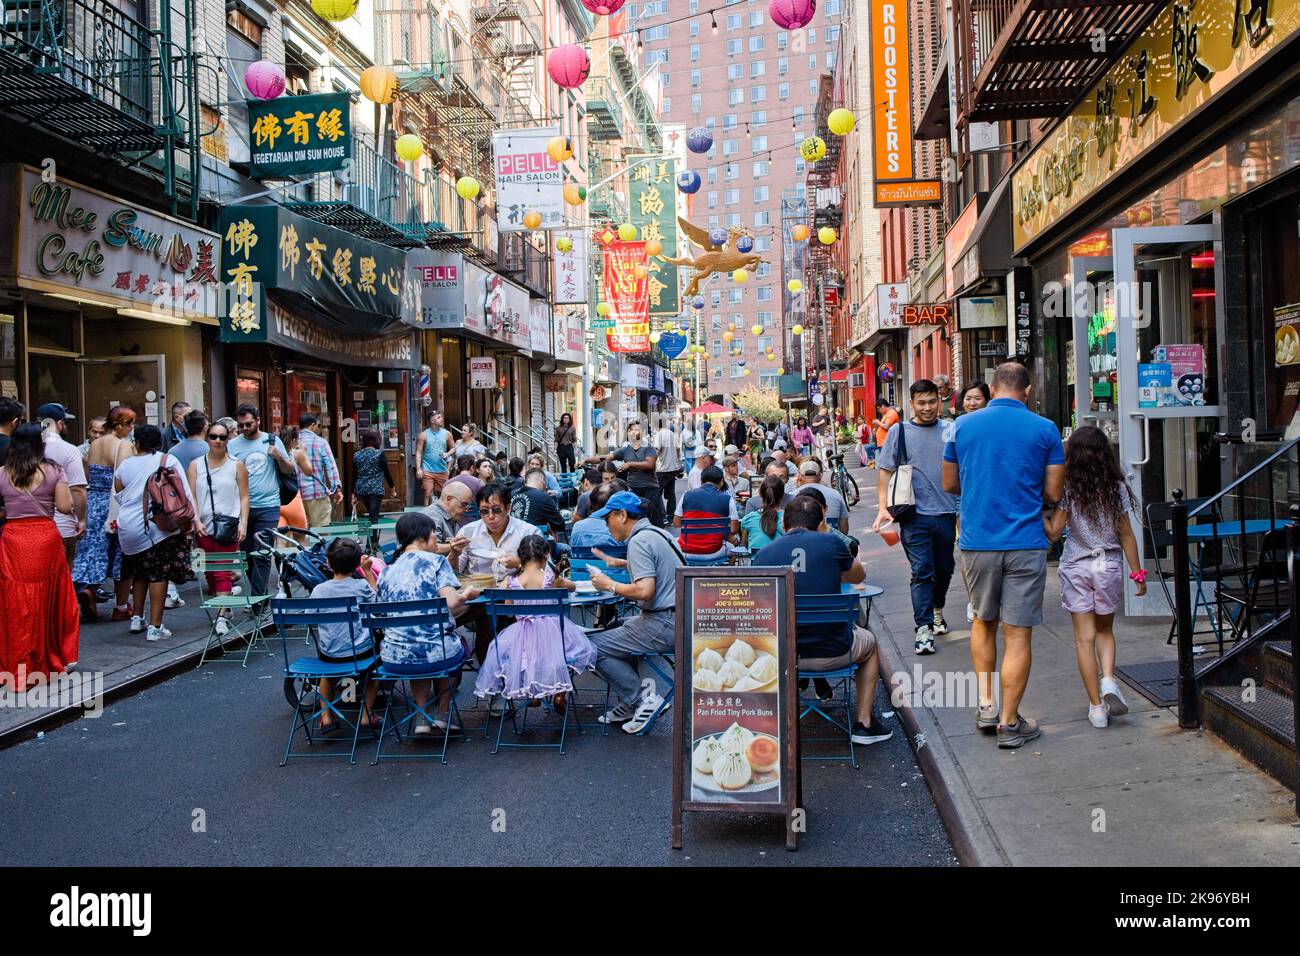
{"x":603,"y":8}
{"x":792,"y":14}
{"x":568,"y":65}
{"x":264,"y":79}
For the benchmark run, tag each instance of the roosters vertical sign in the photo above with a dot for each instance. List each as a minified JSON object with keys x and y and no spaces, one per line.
{"x":895,"y":182}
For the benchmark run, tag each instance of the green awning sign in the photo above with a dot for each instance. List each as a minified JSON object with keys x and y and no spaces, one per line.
{"x":293,"y":135}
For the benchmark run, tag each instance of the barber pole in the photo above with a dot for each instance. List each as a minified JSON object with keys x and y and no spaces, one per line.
{"x":426,"y":399}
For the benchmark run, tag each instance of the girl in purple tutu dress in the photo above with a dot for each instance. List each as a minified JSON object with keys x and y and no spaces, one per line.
{"x":531,"y":658}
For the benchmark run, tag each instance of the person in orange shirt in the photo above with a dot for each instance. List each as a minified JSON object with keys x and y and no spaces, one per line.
{"x":886,"y":418}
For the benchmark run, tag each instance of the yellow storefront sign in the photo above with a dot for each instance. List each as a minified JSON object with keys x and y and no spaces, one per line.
{"x":1190,"y":54}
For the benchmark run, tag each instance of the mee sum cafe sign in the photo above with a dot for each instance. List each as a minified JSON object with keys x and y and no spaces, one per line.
{"x":1191,"y":53}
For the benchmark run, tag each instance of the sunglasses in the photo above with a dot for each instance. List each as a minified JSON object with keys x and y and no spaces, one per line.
{"x":245,"y":426}
{"x":222,"y":437}
{"x":492,"y":511}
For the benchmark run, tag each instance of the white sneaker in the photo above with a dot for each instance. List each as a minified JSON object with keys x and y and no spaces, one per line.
{"x":970,"y":613}
{"x":137,"y":624}
{"x":644,"y":711}
{"x":221,"y":627}
{"x":164,"y":630}
{"x":154,"y":634}
{"x":173,"y":599}
{"x":1112,"y":697}
{"x":924,"y":640}
{"x":441,"y":725}
{"x":940,"y":626}
{"x":422,"y":725}
{"x":236,"y":590}
{"x":1097,"y":716}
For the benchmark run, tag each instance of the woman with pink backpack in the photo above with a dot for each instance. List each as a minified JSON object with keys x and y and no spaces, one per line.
{"x":155,"y":515}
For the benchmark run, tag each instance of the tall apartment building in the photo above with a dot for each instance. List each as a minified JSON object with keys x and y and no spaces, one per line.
{"x":730,"y":69}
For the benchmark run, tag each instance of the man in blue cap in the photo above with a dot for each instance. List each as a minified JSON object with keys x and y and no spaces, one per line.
{"x":652,"y":561}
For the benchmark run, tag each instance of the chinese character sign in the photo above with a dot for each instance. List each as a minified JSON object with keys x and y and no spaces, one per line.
{"x":654,"y":213}
{"x":569,"y":269}
{"x":528,"y":180}
{"x":627,"y":293}
{"x":292,"y":135}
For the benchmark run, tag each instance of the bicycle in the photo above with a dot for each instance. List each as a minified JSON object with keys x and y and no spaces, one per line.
{"x":842,"y":481}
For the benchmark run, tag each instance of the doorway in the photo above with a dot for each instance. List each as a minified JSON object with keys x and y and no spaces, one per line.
{"x":136,"y":381}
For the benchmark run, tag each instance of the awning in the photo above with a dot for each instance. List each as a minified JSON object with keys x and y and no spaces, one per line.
{"x":988,"y":250}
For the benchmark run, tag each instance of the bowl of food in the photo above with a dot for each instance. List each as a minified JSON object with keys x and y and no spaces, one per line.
{"x":737,"y":760}
{"x":1287,"y":342}
{"x":736,"y":664}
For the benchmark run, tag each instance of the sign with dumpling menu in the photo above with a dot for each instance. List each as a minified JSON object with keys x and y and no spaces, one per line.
{"x":735,"y":731}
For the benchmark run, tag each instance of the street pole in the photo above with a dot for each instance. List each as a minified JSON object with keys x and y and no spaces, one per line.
{"x":826,"y":354}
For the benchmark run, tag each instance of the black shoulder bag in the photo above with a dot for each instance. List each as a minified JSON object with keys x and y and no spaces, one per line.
{"x":223,"y":528}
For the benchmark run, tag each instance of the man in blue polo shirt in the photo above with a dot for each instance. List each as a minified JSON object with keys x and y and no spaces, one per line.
{"x":1005,"y":462}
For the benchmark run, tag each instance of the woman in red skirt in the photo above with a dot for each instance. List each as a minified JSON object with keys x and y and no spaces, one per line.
{"x":39,"y":617}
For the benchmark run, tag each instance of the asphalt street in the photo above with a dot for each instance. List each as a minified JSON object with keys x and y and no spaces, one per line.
{"x":187,"y":773}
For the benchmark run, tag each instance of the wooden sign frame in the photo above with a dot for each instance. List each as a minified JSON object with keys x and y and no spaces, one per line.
{"x":785,"y":697}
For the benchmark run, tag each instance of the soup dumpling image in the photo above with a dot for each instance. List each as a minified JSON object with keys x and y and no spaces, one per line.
{"x":709,"y":660}
{"x":706,"y":680}
{"x":730,"y":672}
{"x":763,"y":669}
{"x":732,"y":771}
{"x":741,"y":653}
{"x":706,"y":754}
{"x":736,"y":737}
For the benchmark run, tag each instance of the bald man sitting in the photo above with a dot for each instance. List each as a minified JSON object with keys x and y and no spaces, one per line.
{"x":448,"y":514}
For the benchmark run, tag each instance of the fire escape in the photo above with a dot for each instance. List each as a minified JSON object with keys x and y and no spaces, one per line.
{"x":824,"y":282}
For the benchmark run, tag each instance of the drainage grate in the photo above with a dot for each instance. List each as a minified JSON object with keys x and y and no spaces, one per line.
{"x":1157,"y":681}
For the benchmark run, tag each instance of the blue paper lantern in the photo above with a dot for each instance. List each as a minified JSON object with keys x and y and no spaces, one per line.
{"x":672,"y":344}
{"x":718,"y":237}
{"x":699,"y":140}
{"x":745,"y":244}
{"x":697,"y":302}
{"x":689,"y":182}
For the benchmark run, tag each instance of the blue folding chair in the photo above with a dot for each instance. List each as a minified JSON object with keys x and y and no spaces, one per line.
{"x":716,"y":528}
{"x":307,"y":672}
{"x":812,"y":609}
{"x":544,"y":603}
{"x":392,"y":615}
{"x":589,"y":554}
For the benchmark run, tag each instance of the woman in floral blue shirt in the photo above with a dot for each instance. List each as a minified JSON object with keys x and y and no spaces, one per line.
{"x":372,"y":475}
{"x":419,"y":573}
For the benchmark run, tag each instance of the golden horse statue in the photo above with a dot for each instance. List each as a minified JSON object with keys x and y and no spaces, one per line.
{"x":714,"y":258}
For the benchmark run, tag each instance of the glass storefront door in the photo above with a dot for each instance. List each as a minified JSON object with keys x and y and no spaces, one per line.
{"x":136,"y":381}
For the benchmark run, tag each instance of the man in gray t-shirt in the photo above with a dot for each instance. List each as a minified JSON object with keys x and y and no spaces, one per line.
{"x":929,"y":534}
{"x":652,"y":562}
{"x":837,"y":509}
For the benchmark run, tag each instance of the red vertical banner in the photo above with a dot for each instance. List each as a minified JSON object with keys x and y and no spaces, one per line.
{"x":627,"y":290}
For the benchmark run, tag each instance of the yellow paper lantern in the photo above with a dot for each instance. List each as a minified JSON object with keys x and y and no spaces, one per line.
{"x":797,"y":330}
{"x":841,"y":122}
{"x":410,"y":147}
{"x":744,"y":371}
{"x":627,"y":232}
{"x":640,"y":272}
{"x":812,"y":149}
{"x":740,"y":275}
{"x":825,"y":235}
{"x":532,"y":219}
{"x":670,"y":326}
{"x":795,"y":286}
{"x":467,"y":187}
{"x":728,"y":336}
{"x":781,"y":371}
{"x":602,"y":309}
{"x":564,"y":244}
{"x":334,"y":10}
{"x":574,"y":194}
{"x":731,"y":326}
{"x":379,"y":84}
{"x":559,"y":148}
{"x":799,"y":233}
{"x":654,"y":338}
{"x":756,"y":329}
{"x":653,"y":247}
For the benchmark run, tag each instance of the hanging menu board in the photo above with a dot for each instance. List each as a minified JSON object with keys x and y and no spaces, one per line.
{"x":736,"y":743}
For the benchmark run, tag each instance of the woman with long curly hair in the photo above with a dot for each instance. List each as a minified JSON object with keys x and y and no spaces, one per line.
{"x":1095,"y":508}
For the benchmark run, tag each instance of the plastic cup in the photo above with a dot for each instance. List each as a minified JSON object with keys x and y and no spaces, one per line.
{"x":889,"y":533}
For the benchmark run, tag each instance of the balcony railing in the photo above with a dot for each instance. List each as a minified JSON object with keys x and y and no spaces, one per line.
{"x":523,"y":262}
{"x":604,"y":115}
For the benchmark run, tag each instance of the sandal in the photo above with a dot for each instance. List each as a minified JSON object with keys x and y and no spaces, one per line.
{"x":558,"y":702}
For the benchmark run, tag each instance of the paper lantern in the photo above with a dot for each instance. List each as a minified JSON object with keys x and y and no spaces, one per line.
{"x":781,"y":370}
{"x":744,"y":372}
{"x":603,"y":8}
{"x":718,"y":237}
{"x":745,"y":244}
{"x":559,"y":148}
{"x":564,"y":244}
{"x":799,"y":233}
{"x":627,"y":232}
{"x":756,"y":329}
{"x":410,"y":147}
{"x":699,"y":140}
{"x":731,"y":326}
{"x":792,"y":14}
{"x":264,"y":80}
{"x":640,"y":272}
{"x":741,"y":275}
{"x":728,"y":336}
{"x":574,"y":194}
{"x":654,"y":338}
{"x":334,"y":11}
{"x":689,"y":181}
{"x":825,"y":235}
{"x":697,"y":302}
{"x":379,"y":84}
{"x":467,"y":187}
{"x":568,"y":65}
{"x":841,"y":122}
{"x":532,"y":219}
{"x":795,"y":286}
{"x":797,"y":330}
{"x":813,"y":148}
{"x":602,"y":309}
{"x":653,"y":247}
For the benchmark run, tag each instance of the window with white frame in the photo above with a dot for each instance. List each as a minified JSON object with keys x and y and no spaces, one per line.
{"x":735,"y":295}
{"x":715,"y":323}
{"x":735,"y":96}
{"x":734,"y":47}
{"x":717,"y":371}
{"x":695,"y":53}
{"x":812,"y":36}
{"x":758,"y":118}
{"x":767,"y":380}
{"x":764,"y":341}
{"x":783,"y":91}
{"x":736,"y":370}
{"x":695,"y":28}
{"x":756,"y":44}
{"x":763,"y":243}
{"x":717,"y":347}
{"x":760,"y":143}
{"x":731,"y":171}
{"x":761,"y":167}
{"x":730,"y":147}
{"x":755,"y":18}
{"x":782,"y":40}
{"x":731,"y":196}
{"x":764,"y":293}
{"x":728,"y":120}
{"x":713,"y":175}
{"x":757,"y":68}
{"x":713,"y":222}
{"x":697,"y":102}
{"x":668,"y":104}
{"x":733,"y":21}
{"x":756,"y":94}
{"x":735,"y":71}
{"x":831,"y":60}
{"x":716,"y":296}
{"x":761,"y":193}
{"x":832,"y":34}
{"x":733,"y":219}
{"x":812,"y":61}
{"x":764,"y":270}
{"x":762,"y":218}
{"x":713,"y":199}
{"x":695,"y":77}
{"x":783,"y":65}
{"x":765,"y":319}
{"x":812,"y":87}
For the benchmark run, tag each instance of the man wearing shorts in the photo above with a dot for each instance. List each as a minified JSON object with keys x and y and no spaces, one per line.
{"x":1004,"y":465}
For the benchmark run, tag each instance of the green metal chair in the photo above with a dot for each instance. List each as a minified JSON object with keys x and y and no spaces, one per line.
{"x":220,"y":607}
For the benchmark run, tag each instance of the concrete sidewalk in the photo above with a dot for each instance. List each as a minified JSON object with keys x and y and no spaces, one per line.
{"x":1141,"y":792}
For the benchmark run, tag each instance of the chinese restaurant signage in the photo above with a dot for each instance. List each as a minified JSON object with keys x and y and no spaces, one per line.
{"x":736,"y":739}
{"x":293,"y":135}
{"x":626,"y":289}
{"x":654,"y":213}
{"x":528,"y":180}
{"x":438,"y":276}
{"x":73,"y":240}
{"x":569,"y":269}
{"x":362,"y":284}
{"x":893,"y":168}
{"x":1192,"y":52}
{"x":302,"y":335}
{"x":927,"y":313}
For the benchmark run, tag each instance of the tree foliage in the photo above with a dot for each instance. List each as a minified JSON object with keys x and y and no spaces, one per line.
{"x":765,"y":405}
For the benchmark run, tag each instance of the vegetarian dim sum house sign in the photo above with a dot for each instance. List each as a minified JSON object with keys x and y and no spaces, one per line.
{"x":736,"y":746}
